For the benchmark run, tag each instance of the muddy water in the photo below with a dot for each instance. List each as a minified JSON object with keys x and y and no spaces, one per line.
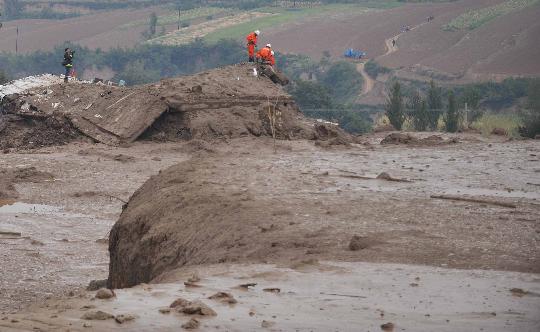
{"x":326,"y":296}
{"x":64,"y":224}
{"x":18,"y":207}
{"x":45,"y":248}
{"x":63,"y":242}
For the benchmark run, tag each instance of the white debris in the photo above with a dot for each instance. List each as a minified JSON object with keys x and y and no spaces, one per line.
{"x":30,"y":82}
{"x":327,"y":122}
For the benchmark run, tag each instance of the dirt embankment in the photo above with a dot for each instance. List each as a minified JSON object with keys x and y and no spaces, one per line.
{"x":228,"y":102}
{"x":245,"y":203}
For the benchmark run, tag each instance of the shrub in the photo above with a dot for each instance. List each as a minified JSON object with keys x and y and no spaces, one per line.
{"x":394,"y":107}
{"x":373,"y":69}
{"x":531,"y":115}
{"x":452,"y":116}
{"x":434,"y":105}
{"x":343,"y":81}
{"x":3,"y":77}
{"x":489,"y":121}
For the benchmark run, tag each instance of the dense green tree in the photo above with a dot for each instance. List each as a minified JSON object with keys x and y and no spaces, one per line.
{"x":531,"y":115}
{"x":418,"y":112}
{"x":152,"y":24}
{"x":12,"y":8}
{"x":311,"y":95}
{"x":394,"y":107}
{"x":452,"y":116}
{"x":471,"y":97}
{"x":355,"y":122}
{"x":135,"y":73}
{"x":343,"y":81}
{"x":373,"y":69}
{"x":434,"y":105}
{"x":3,"y":77}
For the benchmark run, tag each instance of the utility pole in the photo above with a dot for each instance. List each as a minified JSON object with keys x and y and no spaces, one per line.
{"x":466,"y":116}
{"x":178,"y":18}
{"x":17,"y":41}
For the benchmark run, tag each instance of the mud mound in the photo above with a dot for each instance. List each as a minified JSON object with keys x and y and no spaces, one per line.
{"x":408,"y":139}
{"x":18,"y":132}
{"x":227,"y":102}
{"x":210,"y":210}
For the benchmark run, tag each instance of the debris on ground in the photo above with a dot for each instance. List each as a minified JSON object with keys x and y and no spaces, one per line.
{"x":165,"y":310}
{"x":121,"y":319}
{"x":97,"y":315}
{"x":475,"y":200}
{"x":180,"y":302}
{"x":408,"y":139}
{"x":104,"y":293}
{"x":388,"y":327}
{"x":387,"y":177}
{"x":96,"y":284}
{"x":246,"y":286}
{"x":267,"y":324}
{"x":223,"y":297}
{"x":191,"y":324}
{"x":272,"y":290}
{"x":225,"y":102}
{"x":518,"y":292}
{"x":196,"y":308}
{"x":362,"y":242}
{"x":499,"y":132}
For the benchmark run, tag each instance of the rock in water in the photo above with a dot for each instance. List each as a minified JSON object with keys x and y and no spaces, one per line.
{"x":97,"y":315}
{"x":198,"y":308}
{"x":191,"y":324}
{"x":121,"y":319}
{"x":104,"y":293}
{"x":223,"y":297}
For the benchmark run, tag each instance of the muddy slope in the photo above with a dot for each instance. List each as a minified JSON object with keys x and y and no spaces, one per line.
{"x":227,"y":102}
{"x":246,"y":203}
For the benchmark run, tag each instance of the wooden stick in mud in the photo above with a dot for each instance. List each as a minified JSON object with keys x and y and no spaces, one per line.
{"x":474,"y":200}
{"x":10,"y":233}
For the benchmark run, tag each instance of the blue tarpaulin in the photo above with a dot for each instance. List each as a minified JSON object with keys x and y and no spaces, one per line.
{"x":352,"y":53}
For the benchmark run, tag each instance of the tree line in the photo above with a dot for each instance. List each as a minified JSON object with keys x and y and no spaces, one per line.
{"x":456,"y":108}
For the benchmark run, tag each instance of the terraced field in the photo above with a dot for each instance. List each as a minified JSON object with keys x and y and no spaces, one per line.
{"x":188,"y":34}
{"x":476,"y":18}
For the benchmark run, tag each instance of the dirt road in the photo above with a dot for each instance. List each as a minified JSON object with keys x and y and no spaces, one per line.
{"x":390,"y":47}
{"x":369,"y":82}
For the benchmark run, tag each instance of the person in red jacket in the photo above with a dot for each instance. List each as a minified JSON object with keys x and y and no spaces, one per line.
{"x":252,"y":44}
{"x":265,"y":55}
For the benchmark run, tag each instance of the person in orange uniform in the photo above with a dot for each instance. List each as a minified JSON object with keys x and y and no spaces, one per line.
{"x":252,"y":44}
{"x":272,"y":58}
{"x":265,"y":55}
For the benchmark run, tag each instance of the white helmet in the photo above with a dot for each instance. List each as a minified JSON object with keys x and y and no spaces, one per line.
{"x":272,"y":52}
{"x":269,"y":45}
{"x":257,"y":32}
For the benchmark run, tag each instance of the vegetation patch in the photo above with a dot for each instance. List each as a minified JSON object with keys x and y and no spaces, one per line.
{"x":509,"y":123}
{"x":476,"y":18}
{"x":278,"y":16}
{"x":373,"y":69}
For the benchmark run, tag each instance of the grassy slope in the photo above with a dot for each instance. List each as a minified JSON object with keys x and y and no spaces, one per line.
{"x":476,"y":18}
{"x":185,"y":15}
{"x":282,"y":16}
